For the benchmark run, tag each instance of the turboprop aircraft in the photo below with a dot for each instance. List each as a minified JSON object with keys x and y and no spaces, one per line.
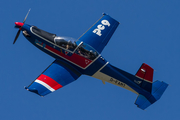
{"x":82,"y":56}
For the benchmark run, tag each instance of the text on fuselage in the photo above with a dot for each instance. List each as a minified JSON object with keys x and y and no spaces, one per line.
{"x":112,"y":80}
{"x":38,"y":42}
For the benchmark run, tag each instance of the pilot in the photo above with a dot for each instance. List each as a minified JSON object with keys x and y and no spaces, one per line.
{"x":92,"y":55}
{"x":85,"y":53}
{"x":70,"y":46}
{"x":61,"y":42}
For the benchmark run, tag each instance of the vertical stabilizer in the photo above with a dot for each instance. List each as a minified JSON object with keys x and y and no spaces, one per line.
{"x":145,"y":73}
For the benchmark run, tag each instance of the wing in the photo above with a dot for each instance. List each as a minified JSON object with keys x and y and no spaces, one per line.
{"x":56,"y":76}
{"x":100,"y":33}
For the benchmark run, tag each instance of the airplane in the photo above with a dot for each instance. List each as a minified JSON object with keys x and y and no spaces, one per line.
{"x":82,"y":56}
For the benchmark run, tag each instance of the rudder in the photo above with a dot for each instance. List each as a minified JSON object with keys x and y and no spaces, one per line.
{"x":145,"y":73}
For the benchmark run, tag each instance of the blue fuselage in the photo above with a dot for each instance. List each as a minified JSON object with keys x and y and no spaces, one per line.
{"x":79,"y":63}
{"x":74,"y":58}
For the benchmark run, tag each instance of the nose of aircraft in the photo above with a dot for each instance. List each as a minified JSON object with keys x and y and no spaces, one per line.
{"x":19,"y":24}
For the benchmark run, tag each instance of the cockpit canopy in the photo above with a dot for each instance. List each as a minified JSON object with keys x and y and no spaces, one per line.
{"x":66,"y":42}
{"x":86,"y":51}
{"x":69,"y":44}
{"x":58,"y":38}
{"x":76,"y":46}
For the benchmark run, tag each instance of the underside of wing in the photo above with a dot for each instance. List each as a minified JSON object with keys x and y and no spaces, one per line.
{"x":100,"y":33}
{"x":56,"y":76}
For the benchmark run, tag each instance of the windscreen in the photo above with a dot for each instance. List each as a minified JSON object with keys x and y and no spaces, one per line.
{"x":87,"y":51}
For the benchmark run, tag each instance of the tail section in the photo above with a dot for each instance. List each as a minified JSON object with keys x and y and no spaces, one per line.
{"x":141,"y":83}
{"x":155,"y":89}
{"x":158,"y":89}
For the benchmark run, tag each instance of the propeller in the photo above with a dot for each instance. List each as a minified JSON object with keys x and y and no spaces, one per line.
{"x":19,"y":25}
{"x":17,"y":35}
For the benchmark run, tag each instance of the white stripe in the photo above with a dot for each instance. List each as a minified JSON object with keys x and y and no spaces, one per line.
{"x":45,"y":85}
{"x":106,"y":78}
{"x":143,"y":79}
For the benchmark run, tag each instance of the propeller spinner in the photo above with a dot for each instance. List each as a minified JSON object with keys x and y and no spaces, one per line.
{"x":19,"y":25}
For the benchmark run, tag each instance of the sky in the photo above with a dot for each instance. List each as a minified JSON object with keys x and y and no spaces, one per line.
{"x":148,"y":33}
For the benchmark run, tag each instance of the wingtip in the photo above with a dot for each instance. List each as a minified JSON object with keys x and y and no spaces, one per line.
{"x":26,"y":88}
{"x":104,"y":14}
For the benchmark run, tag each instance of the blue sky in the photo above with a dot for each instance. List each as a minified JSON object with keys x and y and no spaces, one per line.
{"x":149,"y":32}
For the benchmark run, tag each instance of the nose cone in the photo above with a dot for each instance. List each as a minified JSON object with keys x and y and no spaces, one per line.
{"x":19,"y":24}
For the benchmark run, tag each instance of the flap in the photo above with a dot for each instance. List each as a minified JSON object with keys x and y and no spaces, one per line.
{"x":56,"y":76}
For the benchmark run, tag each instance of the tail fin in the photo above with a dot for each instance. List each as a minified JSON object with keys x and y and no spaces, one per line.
{"x":145,"y":73}
{"x":158,"y":89}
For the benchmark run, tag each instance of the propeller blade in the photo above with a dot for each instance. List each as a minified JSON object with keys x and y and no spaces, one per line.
{"x":26,"y":16}
{"x":16,"y":26}
{"x":19,"y":25}
{"x":17,"y":35}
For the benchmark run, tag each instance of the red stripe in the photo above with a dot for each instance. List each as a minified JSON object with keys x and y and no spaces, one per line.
{"x":77,"y":59}
{"x":52,"y":83}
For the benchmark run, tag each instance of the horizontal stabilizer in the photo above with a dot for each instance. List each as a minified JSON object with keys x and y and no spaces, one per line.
{"x":142,"y":102}
{"x":158,"y":89}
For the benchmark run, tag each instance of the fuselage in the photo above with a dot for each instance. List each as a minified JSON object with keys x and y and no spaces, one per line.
{"x":74,"y":58}
{"x":79,"y":57}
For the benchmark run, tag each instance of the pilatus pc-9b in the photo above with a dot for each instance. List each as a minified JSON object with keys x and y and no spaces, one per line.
{"x":74,"y":57}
